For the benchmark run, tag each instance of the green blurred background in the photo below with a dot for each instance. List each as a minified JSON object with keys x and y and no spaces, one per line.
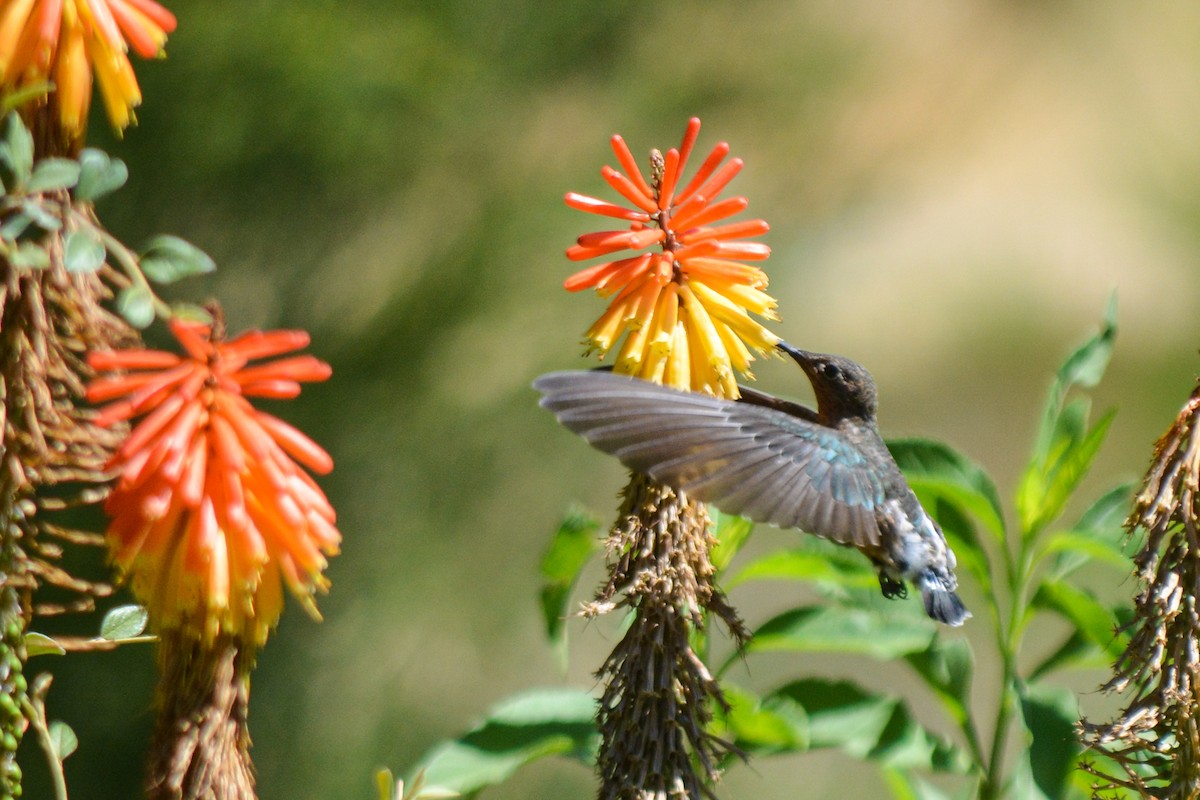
{"x":954,"y":188}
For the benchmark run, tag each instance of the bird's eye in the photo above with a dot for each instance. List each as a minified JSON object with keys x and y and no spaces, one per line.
{"x":832,"y":370}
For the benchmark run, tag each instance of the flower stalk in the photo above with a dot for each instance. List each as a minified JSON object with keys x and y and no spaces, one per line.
{"x":681,"y":307}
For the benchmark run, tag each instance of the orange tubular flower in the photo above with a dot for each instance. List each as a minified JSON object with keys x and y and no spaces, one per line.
{"x":684,"y":306}
{"x":64,"y":41}
{"x":210,"y":514}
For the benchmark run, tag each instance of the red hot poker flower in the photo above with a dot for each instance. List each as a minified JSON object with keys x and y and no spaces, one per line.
{"x":211,"y":514}
{"x":69,"y":41}
{"x":684,"y":304}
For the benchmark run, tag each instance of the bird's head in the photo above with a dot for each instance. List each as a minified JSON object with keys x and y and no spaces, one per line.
{"x":843,"y":387}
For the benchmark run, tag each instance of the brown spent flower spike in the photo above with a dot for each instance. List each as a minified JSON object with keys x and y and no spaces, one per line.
{"x":684,"y":309}
{"x":211,"y":514}
{"x":1152,"y":748}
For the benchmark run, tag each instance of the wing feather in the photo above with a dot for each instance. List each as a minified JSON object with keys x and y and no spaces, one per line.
{"x":746,"y":458}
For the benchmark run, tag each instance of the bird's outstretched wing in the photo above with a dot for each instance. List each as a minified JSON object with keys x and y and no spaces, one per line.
{"x":744,"y":458}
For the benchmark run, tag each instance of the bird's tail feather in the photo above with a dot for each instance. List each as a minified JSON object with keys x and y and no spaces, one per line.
{"x":941,"y":602}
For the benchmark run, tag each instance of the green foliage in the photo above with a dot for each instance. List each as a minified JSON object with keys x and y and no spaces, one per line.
{"x":123,"y":622}
{"x":524,"y":728}
{"x":572,"y":546}
{"x":1020,"y":575}
{"x":47,"y":205}
{"x":167,"y":259}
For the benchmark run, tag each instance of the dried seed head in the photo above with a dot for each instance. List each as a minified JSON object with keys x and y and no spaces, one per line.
{"x":1155,"y":741}
{"x":656,"y":705}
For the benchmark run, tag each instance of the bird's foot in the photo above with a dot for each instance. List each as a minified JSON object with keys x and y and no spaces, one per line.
{"x":891,"y":587}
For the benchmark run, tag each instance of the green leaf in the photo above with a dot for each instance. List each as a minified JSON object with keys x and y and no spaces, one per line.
{"x":136,"y":305}
{"x":123,"y":622}
{"x":385,"y":785}
{"x":30,"y":255}
{"x":843,"y":630}
{"x":33,"y":208}
{"x":523,"y":728}
{"x":1109,"y":511}
{"x":1076,"y":548}
{"x":840,"y":713}
{"x":759,"y":727}
{"x":1064,"y":475}
{"x":732,"y":534}
{"x":167,"y":259}
{"x":32,"y":90}
{"x":190,"y":312}
{"x":946,"y":667}
{"x":1062,"y":427}
{"x":573,"y":544}
{"x":39,"y":644}
{"x":938,"y":469}
{"x":1080,"y":607}
{"x":62,"y":739}
{"x":1085,"y":367}
{"x":16,"y":224}
{"x":99,"y":175}
{"x":17,"y":149}
{"x":1076,"y":650}
{"x":805,"y":565}
{"x":53,"y":174}
{"x":867,"y":725}
{"x":1050,"y":714}
{"x":83,"y":251}
{"x":906,"y":786}
{"x":1098,"y":536}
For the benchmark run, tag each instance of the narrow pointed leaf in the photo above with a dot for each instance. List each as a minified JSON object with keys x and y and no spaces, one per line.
{"x":804,"y":565}
{"x":574,"y":543}
{"x":521,"y":729}
{"x":1086,"y":612}
{"x":732,"y":534}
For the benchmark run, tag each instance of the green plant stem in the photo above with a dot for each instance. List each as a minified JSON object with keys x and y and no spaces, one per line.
{"x":128,"y":262}
{"x":35,"y":712}
{"x":1008,"y":642}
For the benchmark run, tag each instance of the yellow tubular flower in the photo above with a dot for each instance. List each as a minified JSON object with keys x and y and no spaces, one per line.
{"x":684,"y":307}
{"x":69,"y":41}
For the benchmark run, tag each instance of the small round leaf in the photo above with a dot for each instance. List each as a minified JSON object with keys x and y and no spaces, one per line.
{"x":63,"y":739}
{"x":30,"y":255}
{"x":123,"y":622}
{"x":83,"y":251}
{"x":99,"y":175}
{"x":136,"y":305}
{"x":52,"y":174}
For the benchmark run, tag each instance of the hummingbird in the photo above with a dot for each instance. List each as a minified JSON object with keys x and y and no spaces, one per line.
{"x":826,"y":472}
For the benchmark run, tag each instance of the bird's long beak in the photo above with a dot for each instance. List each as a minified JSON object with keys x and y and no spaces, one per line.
{"x":801,"y":357}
